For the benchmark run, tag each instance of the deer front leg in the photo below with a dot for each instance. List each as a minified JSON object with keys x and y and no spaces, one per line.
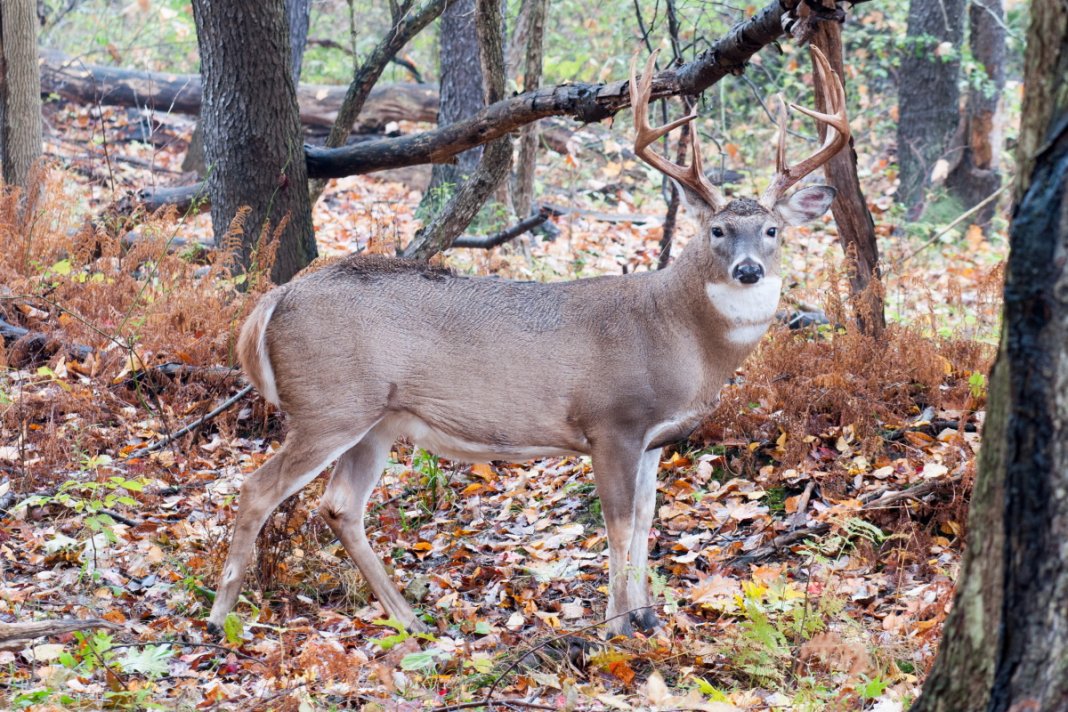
{"x":615,"y":467}
{"x":638,"y":573}
{"x":290,"y":469}
{"x":344,"y":506}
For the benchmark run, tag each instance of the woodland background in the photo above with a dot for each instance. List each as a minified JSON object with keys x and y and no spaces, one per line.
{"x":808,"y":537}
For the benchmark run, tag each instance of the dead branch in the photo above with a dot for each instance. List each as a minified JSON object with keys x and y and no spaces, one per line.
{"x":440,"y":233}
{"x":490,"y":241}
{"x":190,"y":427}
{"x":406,"y":26}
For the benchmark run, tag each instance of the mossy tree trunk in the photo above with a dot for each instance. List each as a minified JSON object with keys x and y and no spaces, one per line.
{"x":928,"y":96}
{"x":974,"y":174}
{"x":1005,"y":643}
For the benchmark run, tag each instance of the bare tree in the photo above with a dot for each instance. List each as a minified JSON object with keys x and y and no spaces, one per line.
{"x":456,"y":215}
{"x":532,"y":20}
{"x":461,"y":91}
{"x":856,"y":228}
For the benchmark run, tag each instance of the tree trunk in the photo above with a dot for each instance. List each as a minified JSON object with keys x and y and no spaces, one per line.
{"x":20,"y":91}
{"x":928,"y":97}
{"x":461,"y":94}
{"x":439,"y":234}
{"x":252,"y":138}
{"x":534,"y":30}
{"x":1005,"y":643}
{"x":856,"y":228}
{"x":975,"y":173}
{"x":298,"y":14}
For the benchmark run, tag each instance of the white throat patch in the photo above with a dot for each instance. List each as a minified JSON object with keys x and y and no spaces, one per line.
{"x":747,"y":309}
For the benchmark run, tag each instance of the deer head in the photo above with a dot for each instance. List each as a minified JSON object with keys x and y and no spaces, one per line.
{"x":740,"y":239}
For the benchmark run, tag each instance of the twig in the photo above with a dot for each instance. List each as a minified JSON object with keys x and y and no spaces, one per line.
{"x":484,"y":703}
{"x":490,"y":241}
{"x":964,"y":216}
{"x":121,"y":518}
{"x":798,"y":518}
{"x":140,"y":452}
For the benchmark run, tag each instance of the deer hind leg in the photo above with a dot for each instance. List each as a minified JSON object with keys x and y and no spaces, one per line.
{"x":638,"y":572}
{"x":295,"y":465}
{"x":615,"y":468}
{"x":344,"y":506}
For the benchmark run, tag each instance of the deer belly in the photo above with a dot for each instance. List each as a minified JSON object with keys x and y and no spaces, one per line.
{"x":675,"y":429}
{"x":465,"y":448}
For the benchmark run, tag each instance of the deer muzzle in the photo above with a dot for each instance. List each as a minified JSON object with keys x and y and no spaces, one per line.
{"x":748,"y":271}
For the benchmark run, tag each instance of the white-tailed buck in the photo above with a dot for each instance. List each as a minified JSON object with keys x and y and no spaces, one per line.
{"x":372,"y":349}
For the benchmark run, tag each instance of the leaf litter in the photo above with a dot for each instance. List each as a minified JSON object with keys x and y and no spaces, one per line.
{"x":793,"y":569}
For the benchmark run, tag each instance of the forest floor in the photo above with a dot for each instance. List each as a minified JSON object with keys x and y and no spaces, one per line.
{"x":806,"y":539}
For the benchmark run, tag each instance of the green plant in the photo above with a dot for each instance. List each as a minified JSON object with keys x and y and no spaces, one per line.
{"x":93,"y":499}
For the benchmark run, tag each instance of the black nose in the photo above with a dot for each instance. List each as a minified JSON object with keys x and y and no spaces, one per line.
{"x":748,"y":272}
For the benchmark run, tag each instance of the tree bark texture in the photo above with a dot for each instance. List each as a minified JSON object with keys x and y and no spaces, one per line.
{"x":1006,"y":640}
{"x":182,"y":94}
{"x":460,"y":90}
{"x":298,"y":15}
{"x":974,"y":175}
{"x":856,"y":228}
{"x":928,"y":96}
{"x":20,"y":91}
{"x":534,"y":14}
{"x":492,"y":167}
{"x":252,"y":136}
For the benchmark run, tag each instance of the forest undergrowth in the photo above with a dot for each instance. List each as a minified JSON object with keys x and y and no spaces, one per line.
{"x":806,"y":541}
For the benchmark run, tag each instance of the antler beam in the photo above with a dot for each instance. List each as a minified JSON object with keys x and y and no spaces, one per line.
{"x":836,"y":139}
{"x":692,"y":177}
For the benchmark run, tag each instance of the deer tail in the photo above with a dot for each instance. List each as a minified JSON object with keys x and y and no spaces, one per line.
{"x":252,"y":347}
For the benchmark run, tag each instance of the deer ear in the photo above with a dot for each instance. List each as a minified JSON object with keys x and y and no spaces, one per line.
{"x":697,"y":206}
{"x":805,"y":204}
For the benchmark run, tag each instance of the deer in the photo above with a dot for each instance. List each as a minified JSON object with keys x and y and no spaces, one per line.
{"x":372,"y":349}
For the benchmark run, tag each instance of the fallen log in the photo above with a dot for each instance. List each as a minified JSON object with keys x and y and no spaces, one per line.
{"x":84,"y":83}
{"x":19,"y":634}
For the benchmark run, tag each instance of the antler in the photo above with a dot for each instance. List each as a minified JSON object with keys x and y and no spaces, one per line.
{"x":692,"y":177}
{"x":836,"y":139}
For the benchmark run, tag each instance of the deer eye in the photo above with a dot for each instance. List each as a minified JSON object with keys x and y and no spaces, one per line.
{"x":717,"y":232}
{"x":772,"y":231}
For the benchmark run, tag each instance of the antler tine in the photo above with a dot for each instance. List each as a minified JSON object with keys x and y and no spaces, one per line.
{"x":691,"y":177}
{"x":836,"y":139}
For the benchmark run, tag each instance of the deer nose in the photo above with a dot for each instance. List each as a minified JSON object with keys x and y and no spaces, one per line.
{"x":748,"y":272}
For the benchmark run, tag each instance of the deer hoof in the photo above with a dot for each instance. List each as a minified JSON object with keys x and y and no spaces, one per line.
{"x":621,"y":626}
{"x":215,"y":630}
{"x":646,"y":620}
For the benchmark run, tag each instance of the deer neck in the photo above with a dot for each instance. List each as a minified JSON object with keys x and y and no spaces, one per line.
{"x":727,"y":317}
